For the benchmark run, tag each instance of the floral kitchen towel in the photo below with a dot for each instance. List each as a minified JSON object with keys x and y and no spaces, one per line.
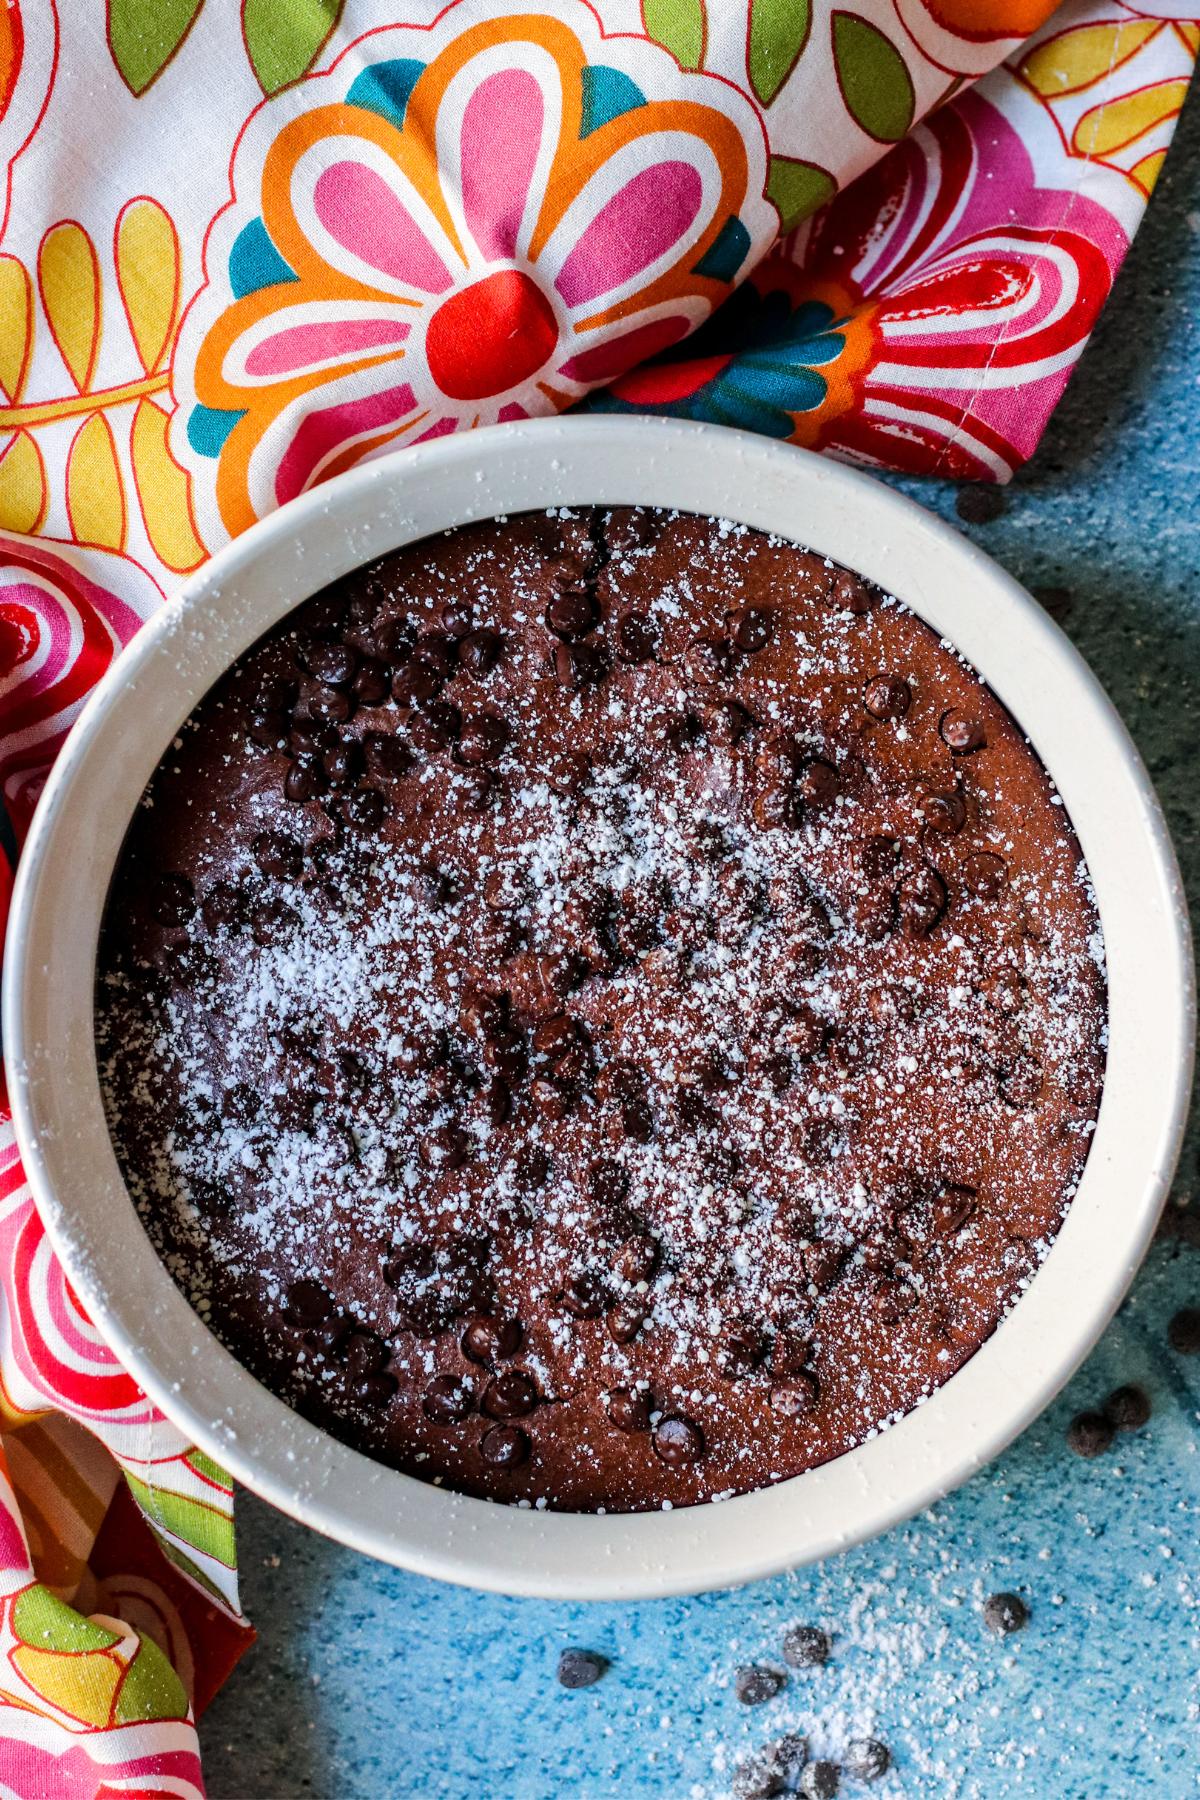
{"x":246,"y":244}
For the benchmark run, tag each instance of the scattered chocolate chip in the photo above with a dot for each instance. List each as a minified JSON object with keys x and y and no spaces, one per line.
{"x":944,"y":811}
{"x":979,"y":503}
{"x":488,"y":1340}
{"x":572,"y":614}
{"x":480,"y":651}
{"x":921,"y":901}
{"x":740,"y":1351}
{"x":879,"y":856}
{"x":806,"y":1647}
{"x":452,"y":618}
{"x":374,"y":1391}
{"x":448,"y":1400}
{"x":416,"y":684}
{"x":1127,"y":1408}
{"x":985,"y":875}
{"x":583,"y":1295}
{"x":307,"y":1303}
{"x":636,"y":638}
{"x":331,"y":664}
{"x":1089,"y":1434}
{"x":962,"y":732}
{"x":581,"y":1668}
{"x":750,"y":629}
{"x":1021,"y":1083}
{"x":796,"y":1397}
{"x":628,"y":1408}
{"x":1183,"y":1332}
{"x":447,"y":1148}
{"x":331,"y":704}
{"x":639,"y":1259}
{"x":625,"y":1320}
{"x":818,"y":783}
{"x":754,"y":1683}
{"x":850,"y":593}
{"x":343,"y":763}
{"x":887,"y":697}
{"x":678,"y":1441}
{"x":504,"y":1447}
{"x":510,"y":1396}
{"x":371,"y":684}
{"x":1005,"y":1613}
{"x":866,"y":1759}
{"x":484,"y":738}
{"x":387,"y":757}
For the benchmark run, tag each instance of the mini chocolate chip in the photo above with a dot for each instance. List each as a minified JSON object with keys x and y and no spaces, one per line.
{"x":1021,"y":1083}
{"x":952,"y":1208}
{"x":365,"y":1353}
{"x":173,"y":900}
{"x":962,"y":732}
{"x":628,"y":1408}
{"x":362,"y":811}
{"x":479,"y":651}
{"x":581,"y":1668}
{"x":552,"y":1099}
{"x":791,"y":1351}
{"x":708,"y":658}
{"x":447,"y":1400}
{"x":332,"y":664}
{"x":1127,"y":1408}
{"x":753,"y":1683}
{"x":374,"y":1391}
{"x":754,"y":1779}
{"x":307,"y":1303}
{"x":267,"y":729}
{"x":637,"y":1120}
{"x":583,"y":1295}
{"x":818,"y":783}
{"x":391,"y":638}
{"x":507,"y":887}
{"x":277,"y":855}
{"x":573,"y":613}
{"x":507,"y":1056}
{"x":1183,"y":1332}
{"x":887,"y":697}
{"x":740,"y":1350}
{"x":331,"y":704}
{"x":387,"y":756}
{"x":795,"y":1397}
{"x":979,"y":503}
{"x":850,"y":593}
{"x":452,"y":618}
{"x":436,"y":652}
{"x":1005,"y":1613}
{"x":485,"y":737}
{"x":531,"y":1167}
{"x":944,"y":811}
{"x":891,"y":1300}
{"x":879,"y":856}
{"x":580,"y":665}
{"x":625,"y":1320}
{"x":636,"y":638}
{"x":750,"y":628}
{"x":510,"y":1396}
{"x":866,"y":1759}
{"x":371,"y":684}
{"x":435,"y":727}
{"x":639,"y":1259}
{"x":343,"y":763}
{"x":921,"y":901}
{"x":678,"y":1441}
{"x":416,"y":684}
{"x":985,"y":875}
{"x":487,"y":1340}
{"x":806,"y":1647}
{"x":820,"y":1781}
{"x":1089,"y":1434}
{"x":447,"y":1148}
{"x":304,"y":779}
{"x":607,"y":1182}
{"x":504,"y":1447}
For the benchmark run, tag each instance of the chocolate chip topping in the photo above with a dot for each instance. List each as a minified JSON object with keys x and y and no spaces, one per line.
{"x":579,"y":972}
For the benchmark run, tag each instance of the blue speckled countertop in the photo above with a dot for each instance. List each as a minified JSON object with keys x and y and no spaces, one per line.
{"x":369,"y":1683}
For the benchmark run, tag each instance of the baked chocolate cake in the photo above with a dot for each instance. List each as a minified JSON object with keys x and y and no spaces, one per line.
{"x":602,"y":1010}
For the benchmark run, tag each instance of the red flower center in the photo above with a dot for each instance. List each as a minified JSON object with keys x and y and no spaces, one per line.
{"x":491,"y":336}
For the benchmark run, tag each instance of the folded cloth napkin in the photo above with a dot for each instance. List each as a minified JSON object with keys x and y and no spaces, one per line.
{"x":247,"y":246}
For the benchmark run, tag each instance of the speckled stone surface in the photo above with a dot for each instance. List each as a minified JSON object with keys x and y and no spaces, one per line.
{"x":367,"y":1682}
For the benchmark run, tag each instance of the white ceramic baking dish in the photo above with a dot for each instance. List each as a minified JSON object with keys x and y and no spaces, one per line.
{"x":77,"y":833}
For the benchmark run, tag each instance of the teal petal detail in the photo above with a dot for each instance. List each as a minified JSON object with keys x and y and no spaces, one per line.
{"x":254,"y":262}
{"x":607,"y":93}
{"x":208,"y":427}
{"x":385,"y":88}
{"x":727,"y":252}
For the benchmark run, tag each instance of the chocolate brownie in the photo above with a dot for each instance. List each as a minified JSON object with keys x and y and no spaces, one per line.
{"x":602,"y":1010}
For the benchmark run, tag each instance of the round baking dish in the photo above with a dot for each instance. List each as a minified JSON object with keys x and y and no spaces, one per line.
{"x":77,"y":834}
